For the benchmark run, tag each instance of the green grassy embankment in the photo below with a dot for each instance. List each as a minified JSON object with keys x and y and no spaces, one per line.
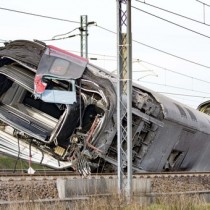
{"x":12,"y":163}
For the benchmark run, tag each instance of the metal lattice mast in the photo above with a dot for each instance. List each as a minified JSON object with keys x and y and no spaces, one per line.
{"x":124,"y":96}
{"x":84,"y":36}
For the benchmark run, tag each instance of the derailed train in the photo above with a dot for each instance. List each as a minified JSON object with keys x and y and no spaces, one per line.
{"x":59,"y":110}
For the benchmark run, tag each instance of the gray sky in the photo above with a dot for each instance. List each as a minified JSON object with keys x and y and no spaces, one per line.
{"x":146,"y":30}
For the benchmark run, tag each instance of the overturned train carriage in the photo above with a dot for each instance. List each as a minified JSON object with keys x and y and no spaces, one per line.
{"x":60,"y":111}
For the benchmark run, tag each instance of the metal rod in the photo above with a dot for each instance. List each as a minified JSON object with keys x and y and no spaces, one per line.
{"x":119,"y":97}
{"x":129,"y":103}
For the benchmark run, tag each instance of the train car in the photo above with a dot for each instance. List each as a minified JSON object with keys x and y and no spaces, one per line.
{"x":59,"y":110}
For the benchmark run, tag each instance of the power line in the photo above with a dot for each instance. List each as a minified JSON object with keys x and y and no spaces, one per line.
{"x":174,"y":13}
{"x":160,"y":67}
{"x":188,"y":29}
{"x":203,"y":3}
{"x":171,"y":86}
{"x":47,"y":40}
{"x":65,"y":33}
{"x":139,"y":60}
{"x":175,"y":56}
{"x":38,"y":15}
{"x":159,"y":50}
{"x":106,"y":29}
{"x":102,"y":59}
{"x":61,"y":38}
{"x":66,"y":20}
{"x":187,"y":99}
{"x":103,"y":55}
{"x":143,"y":61}
{"x":166,"y":69}
{"x":186,"y":95}
{"x":59,"y":19}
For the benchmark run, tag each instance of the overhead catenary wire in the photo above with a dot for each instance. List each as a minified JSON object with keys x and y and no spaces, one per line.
{"x":176,"y":24}
{"x":203,"y":3}
{"x":103,"y":29}
{"x":160,"y":67}
{"x":169,"y":70}
{"x":65,"y":33}
{"x":194,"y":100}
{"x":171,"y":86}
{"x":159,"y":50}
{"x":108,"y":30}
{"x":143,"y":61}
{"x":53,"y":39}
{"x":187,"y":100}
{"x":59,"y":19}
{"x":174,"y":13}
{"x":186,"y":95}
{"x":38,"y":15}
{"x":175,"y":87}
{"x":67,"y":37}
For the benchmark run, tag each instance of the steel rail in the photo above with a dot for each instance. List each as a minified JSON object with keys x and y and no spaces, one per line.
{"x":54,"y":173}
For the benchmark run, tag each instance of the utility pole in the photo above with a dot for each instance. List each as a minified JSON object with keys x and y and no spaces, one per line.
{"x":84,"y":24}
{"x":124,"y":97}
{"x":84,"y":36}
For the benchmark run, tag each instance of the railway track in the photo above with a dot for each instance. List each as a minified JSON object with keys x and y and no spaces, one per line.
{"x":20,"y":187}
{"x":57,"y":173}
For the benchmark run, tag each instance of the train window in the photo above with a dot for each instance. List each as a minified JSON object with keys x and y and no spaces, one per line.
{"x":60,"y":96}
{"x":59,"y":67}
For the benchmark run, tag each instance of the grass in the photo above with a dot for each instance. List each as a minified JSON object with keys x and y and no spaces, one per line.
{"x":114,"y":203}
{"x":12,"y":163}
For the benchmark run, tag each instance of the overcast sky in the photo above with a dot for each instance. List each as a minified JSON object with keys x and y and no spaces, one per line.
{"x":175,"y":35}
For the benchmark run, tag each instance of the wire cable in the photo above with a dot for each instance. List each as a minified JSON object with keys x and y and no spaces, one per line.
{"x":159,"y":50}
{"x":106,"y":29}
{"x":149,"y":63}
{"x":188,"y":29}
{"x":203,"y":3}
{"x":174,"y":13}
{"x":38,"y":15}
{"x":66,"y":20}
{"x":173,"y":55}
{"x":65,"y":33}
{"x":186,"y":95}
{"x":143,"y":61}
{"x":171,"y":86}
{"x":187,"y":99}
{"x":169,"y":70}
{"x":47,"y":40}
